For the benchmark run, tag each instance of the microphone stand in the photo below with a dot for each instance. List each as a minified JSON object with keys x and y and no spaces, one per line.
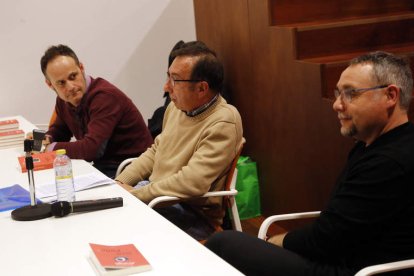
{"x":29,"y":166}
{"x":33,"y":211}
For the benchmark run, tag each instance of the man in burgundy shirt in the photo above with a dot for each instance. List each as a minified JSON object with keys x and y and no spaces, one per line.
{"x":106,"y":124}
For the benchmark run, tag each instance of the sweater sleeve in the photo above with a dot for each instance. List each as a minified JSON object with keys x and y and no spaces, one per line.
{"x":217,"y":147}
{"x":360,"y":209}
{"x":58,"y":130}
{"x":140,"y":168}
{"x":104,"y":113}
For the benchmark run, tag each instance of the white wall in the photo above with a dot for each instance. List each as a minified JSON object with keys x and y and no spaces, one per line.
{"x":126,"y":42}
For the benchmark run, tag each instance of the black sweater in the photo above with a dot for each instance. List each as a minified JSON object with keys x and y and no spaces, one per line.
{"x":369,"y":218}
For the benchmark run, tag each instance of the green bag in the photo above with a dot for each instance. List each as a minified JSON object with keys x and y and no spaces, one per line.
{"x":247,"y":185}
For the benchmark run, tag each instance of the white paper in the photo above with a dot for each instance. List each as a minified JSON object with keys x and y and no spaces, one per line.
{"x":82,"y":182}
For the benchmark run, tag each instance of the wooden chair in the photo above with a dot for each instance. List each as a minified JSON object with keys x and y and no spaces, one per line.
{"x":52,"y":118}
{"x":370,"y":270}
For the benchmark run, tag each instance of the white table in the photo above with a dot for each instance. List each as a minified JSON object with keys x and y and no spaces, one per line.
{"x":59,"y":246}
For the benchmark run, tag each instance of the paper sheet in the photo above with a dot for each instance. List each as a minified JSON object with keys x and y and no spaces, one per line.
{"x":82,"y":182}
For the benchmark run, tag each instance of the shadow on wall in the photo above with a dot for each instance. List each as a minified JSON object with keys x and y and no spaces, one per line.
{"x":171,"y":26}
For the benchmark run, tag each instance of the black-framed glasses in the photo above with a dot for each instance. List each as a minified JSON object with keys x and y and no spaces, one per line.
{"x":350,"y":93}
{"x":173,"y":81}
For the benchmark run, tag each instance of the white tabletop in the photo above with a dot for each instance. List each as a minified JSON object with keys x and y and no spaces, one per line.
{"x":59,"y":246}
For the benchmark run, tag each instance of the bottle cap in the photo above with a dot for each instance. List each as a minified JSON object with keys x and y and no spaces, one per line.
{"x":61,"y":151}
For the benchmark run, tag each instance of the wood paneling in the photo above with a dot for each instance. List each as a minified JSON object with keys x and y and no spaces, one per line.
{"x":327,"y":40}
{"x":290,"y":127}
{"x":293,"y":12}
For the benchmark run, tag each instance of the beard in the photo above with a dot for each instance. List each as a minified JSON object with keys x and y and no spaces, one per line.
{"x":349,"y":131}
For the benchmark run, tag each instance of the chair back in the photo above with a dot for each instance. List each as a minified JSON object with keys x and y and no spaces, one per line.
{"x":123,"y":165}
{"x":232,"y":174}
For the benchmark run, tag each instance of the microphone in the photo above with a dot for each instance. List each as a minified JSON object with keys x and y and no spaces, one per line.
{"x":38,"y":136}
{"x":63,"y":208}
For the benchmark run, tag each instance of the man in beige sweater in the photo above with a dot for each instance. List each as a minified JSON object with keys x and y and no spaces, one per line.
{"x":201,"y":136}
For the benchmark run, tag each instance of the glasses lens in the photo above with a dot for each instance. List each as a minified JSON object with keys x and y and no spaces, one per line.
{"x":170,"y":80}
{"x":346,"y":95}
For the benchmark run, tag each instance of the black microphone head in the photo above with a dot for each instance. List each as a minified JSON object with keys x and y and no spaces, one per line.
{"x":28,"y":145}
{"x":61,"y":208}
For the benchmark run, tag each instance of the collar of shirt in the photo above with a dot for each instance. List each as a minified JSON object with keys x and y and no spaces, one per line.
{"x":202,"y":108}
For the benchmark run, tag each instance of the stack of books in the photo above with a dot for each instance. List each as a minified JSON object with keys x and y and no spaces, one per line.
{"x":10,"y":134}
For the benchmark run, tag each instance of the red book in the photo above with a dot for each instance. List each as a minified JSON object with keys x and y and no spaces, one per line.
{"x":41,"y":161}
{"x":12,"y":135}
{"x":118,"y":259}
{"x":9,"y":124}
{"x":11,"y":138}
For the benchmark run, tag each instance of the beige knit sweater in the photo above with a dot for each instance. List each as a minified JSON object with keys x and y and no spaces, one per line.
{"x":190,"y":157}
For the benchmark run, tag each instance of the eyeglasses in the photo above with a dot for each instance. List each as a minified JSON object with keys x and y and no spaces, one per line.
{"x":173,"y":81}
{"x":350,"y":93}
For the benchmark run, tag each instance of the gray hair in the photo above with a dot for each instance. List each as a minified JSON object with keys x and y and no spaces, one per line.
{"x":390,"y":69}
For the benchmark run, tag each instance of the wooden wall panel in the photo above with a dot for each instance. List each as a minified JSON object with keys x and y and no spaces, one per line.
{"x":291,"y":130}
{"x":303,"y":150}
{"x":366,"y":36}
{"x":228,"y":34}
{"x":288,"y":12}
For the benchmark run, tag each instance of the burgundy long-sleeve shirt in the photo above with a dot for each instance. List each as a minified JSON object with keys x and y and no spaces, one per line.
{"x":107,"y":126}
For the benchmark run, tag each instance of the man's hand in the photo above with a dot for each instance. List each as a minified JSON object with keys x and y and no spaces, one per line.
{"x":125,"y":186}
{"x":277,"y":239}
{"x":46,"y":141}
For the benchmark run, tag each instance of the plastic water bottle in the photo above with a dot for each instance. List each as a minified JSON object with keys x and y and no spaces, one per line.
{"x":65,"y":189}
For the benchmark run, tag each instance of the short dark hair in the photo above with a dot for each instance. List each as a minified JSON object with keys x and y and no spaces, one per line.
{"x":54,"y":51}
{"x":177,"y":46}
{"x":390,"y":69}
{"x":207,"y":68}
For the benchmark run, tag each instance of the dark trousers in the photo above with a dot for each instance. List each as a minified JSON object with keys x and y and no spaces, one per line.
{"x":253,"y":256}
{"x":187,"y":220}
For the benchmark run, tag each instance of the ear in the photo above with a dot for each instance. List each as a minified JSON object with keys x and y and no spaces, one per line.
{"x":203,"y":86}
{"x":393,"y":94}
{"x":82,"y":68}
{"x":48,"y":83}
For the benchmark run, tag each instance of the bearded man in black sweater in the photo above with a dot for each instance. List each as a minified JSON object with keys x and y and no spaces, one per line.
{"x":369,"y":217}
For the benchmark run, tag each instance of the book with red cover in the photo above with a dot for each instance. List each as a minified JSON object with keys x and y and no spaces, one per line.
{"x":118,"y":259}
{"x":9,"y":125}
{"x":41,"y":161}
{"x":11,"y":138}
{"x":16,"y":134}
